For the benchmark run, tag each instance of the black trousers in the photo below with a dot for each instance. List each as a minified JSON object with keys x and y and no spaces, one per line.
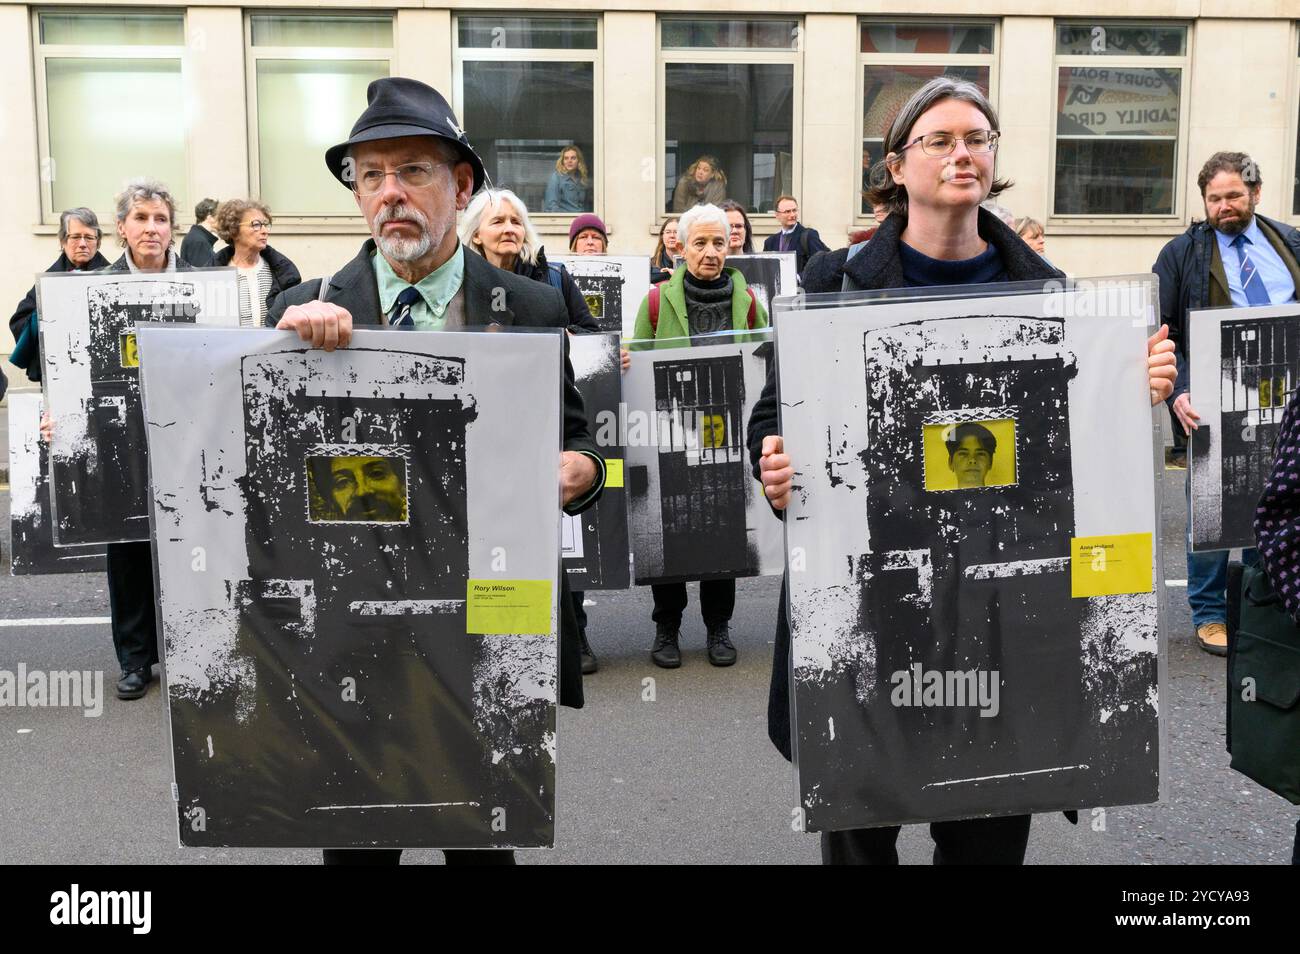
{"x":717,"y":601}
{"x":131,"y":604}
{"x":393,"y":856}
{"x":578,"y":611}
{"x":971,"y":841}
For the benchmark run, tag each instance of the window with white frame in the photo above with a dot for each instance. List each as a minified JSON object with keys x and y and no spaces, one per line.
{"x":527,"y":97}
{"x":307,"y":79}
{"x":1121,"y":93}
{"x":110,"y":105}
{"x":899,"y":57}
{"x":730,"y":107}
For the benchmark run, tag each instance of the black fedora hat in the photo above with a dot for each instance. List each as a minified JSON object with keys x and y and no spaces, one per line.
{"x":399,"y":106}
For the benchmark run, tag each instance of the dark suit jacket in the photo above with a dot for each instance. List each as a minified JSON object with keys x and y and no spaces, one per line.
{"x":804,"y":242}
{"x":196,"y":247}
{"x":526,"y":304}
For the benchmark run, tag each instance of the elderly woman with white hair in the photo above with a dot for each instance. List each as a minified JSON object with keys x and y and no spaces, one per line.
{"x":496,"y":225}
{"x":702,"y":299}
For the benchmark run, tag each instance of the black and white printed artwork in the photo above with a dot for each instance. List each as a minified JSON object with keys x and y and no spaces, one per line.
{"x":326,"y":525}
{"x":613,"y":285}
{"x":91,"y":381}
{"x":979,"y":645}
{"x":594,"y":544}
{"x":32,"y":540}
{"x":769,"y":274}
{"x":1243,"y":365}
{"x":695,"y":508}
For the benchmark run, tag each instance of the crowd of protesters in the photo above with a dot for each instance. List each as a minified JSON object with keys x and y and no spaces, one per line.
{"x":939,"y":221}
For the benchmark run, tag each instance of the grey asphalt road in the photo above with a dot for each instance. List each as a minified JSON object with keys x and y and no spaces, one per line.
{"x":689,"y":777}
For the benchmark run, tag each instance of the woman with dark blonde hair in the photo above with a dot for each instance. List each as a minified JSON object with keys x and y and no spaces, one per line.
{"x":939,"y":166}
{"x":666,"y":251}
{"x":703,"y":183}
{"x":245,"y":226}
{"x":569,"y":188}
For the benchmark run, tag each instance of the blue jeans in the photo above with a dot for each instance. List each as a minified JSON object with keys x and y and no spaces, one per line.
{"x":1207,"y":576}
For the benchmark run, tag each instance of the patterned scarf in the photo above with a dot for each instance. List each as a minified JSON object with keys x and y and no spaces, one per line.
{"x":1277,"y":517}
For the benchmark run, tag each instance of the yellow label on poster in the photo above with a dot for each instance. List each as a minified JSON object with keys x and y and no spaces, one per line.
{"x":1109,"y":565}
{"x":508,"y":607}
{"x":614,"y":472}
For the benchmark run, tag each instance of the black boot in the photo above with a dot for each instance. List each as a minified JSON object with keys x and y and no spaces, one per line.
{"x":665,"y":653}
{"x":589,"y":664}
{"x":721,"y":652}
{"x":133,"y":684}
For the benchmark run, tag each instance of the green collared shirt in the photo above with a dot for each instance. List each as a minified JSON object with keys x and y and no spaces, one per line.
{"x":436,"y":289}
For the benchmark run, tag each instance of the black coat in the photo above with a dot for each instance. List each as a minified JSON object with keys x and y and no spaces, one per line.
{"x":580,"y":319}
{"x":876,"y":266}
{"x":284,"y":273}
{"x":28,"y":305}
{"x":804,"y":242}
{"x":196,"y":247}
{"x":527,"y":304}
{"x":1183,"y":267}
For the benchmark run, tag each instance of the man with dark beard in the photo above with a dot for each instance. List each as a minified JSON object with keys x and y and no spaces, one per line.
{"x":370,"y":489}
{"x":1234,"y":258}
{"x":411,"y":169}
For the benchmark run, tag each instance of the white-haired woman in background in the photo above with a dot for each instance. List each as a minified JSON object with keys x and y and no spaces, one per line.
{"x":496,"y":225}
{"x":700,"y":299}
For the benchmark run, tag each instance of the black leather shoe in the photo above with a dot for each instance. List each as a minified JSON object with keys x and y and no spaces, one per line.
{"x":589,"y":664}
{"x":721,"y":652}
{"x":133,"y":684}
{"x":665,"y":653}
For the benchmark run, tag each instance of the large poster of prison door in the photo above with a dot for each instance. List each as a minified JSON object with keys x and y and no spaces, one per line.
{"x":91,"y":380}
{"x":696,"y":510}
{"x":1243,"y":369}
{"x":32,"y":548}
{"x":971,"y":556}
{"x":594,"y":544}
{"x":358,"y":611}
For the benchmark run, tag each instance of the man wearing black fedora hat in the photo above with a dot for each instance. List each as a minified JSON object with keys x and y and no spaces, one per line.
{"x":411,"y":169}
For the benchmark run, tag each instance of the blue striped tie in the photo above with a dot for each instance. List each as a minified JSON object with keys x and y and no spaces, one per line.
{"x":401,"y":316}
{"x":1251,"y":283}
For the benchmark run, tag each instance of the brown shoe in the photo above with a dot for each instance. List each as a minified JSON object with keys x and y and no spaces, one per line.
{"x":1213,"y":638}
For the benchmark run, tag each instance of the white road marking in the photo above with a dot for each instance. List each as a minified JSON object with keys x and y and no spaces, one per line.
{"x":58,"y":621}
{"x":1175,"y":582}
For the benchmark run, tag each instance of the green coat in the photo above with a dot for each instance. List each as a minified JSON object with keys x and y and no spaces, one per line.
{"x":672,"y":312}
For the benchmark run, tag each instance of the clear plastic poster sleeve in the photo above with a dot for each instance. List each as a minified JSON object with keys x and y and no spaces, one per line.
{"x":1242,"y":368}
{"x":973,"y":562}
{"x":594,"y":544}
{"x":91,"y":381}
{"x":358,"y":578}
{"x":696,"y":510}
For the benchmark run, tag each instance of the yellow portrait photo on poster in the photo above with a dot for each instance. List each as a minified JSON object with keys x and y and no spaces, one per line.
{"x":969,"y":455}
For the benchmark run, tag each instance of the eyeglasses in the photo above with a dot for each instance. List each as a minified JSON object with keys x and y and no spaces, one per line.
{"x":942,"y":144}
{"x":78,"y":239}
{"x":257,"y":225}
{"x":413,"y":175}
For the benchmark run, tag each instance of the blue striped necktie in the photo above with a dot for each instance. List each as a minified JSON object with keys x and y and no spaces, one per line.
{"x":1251,"y":283}
{"x":401,"y":314}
